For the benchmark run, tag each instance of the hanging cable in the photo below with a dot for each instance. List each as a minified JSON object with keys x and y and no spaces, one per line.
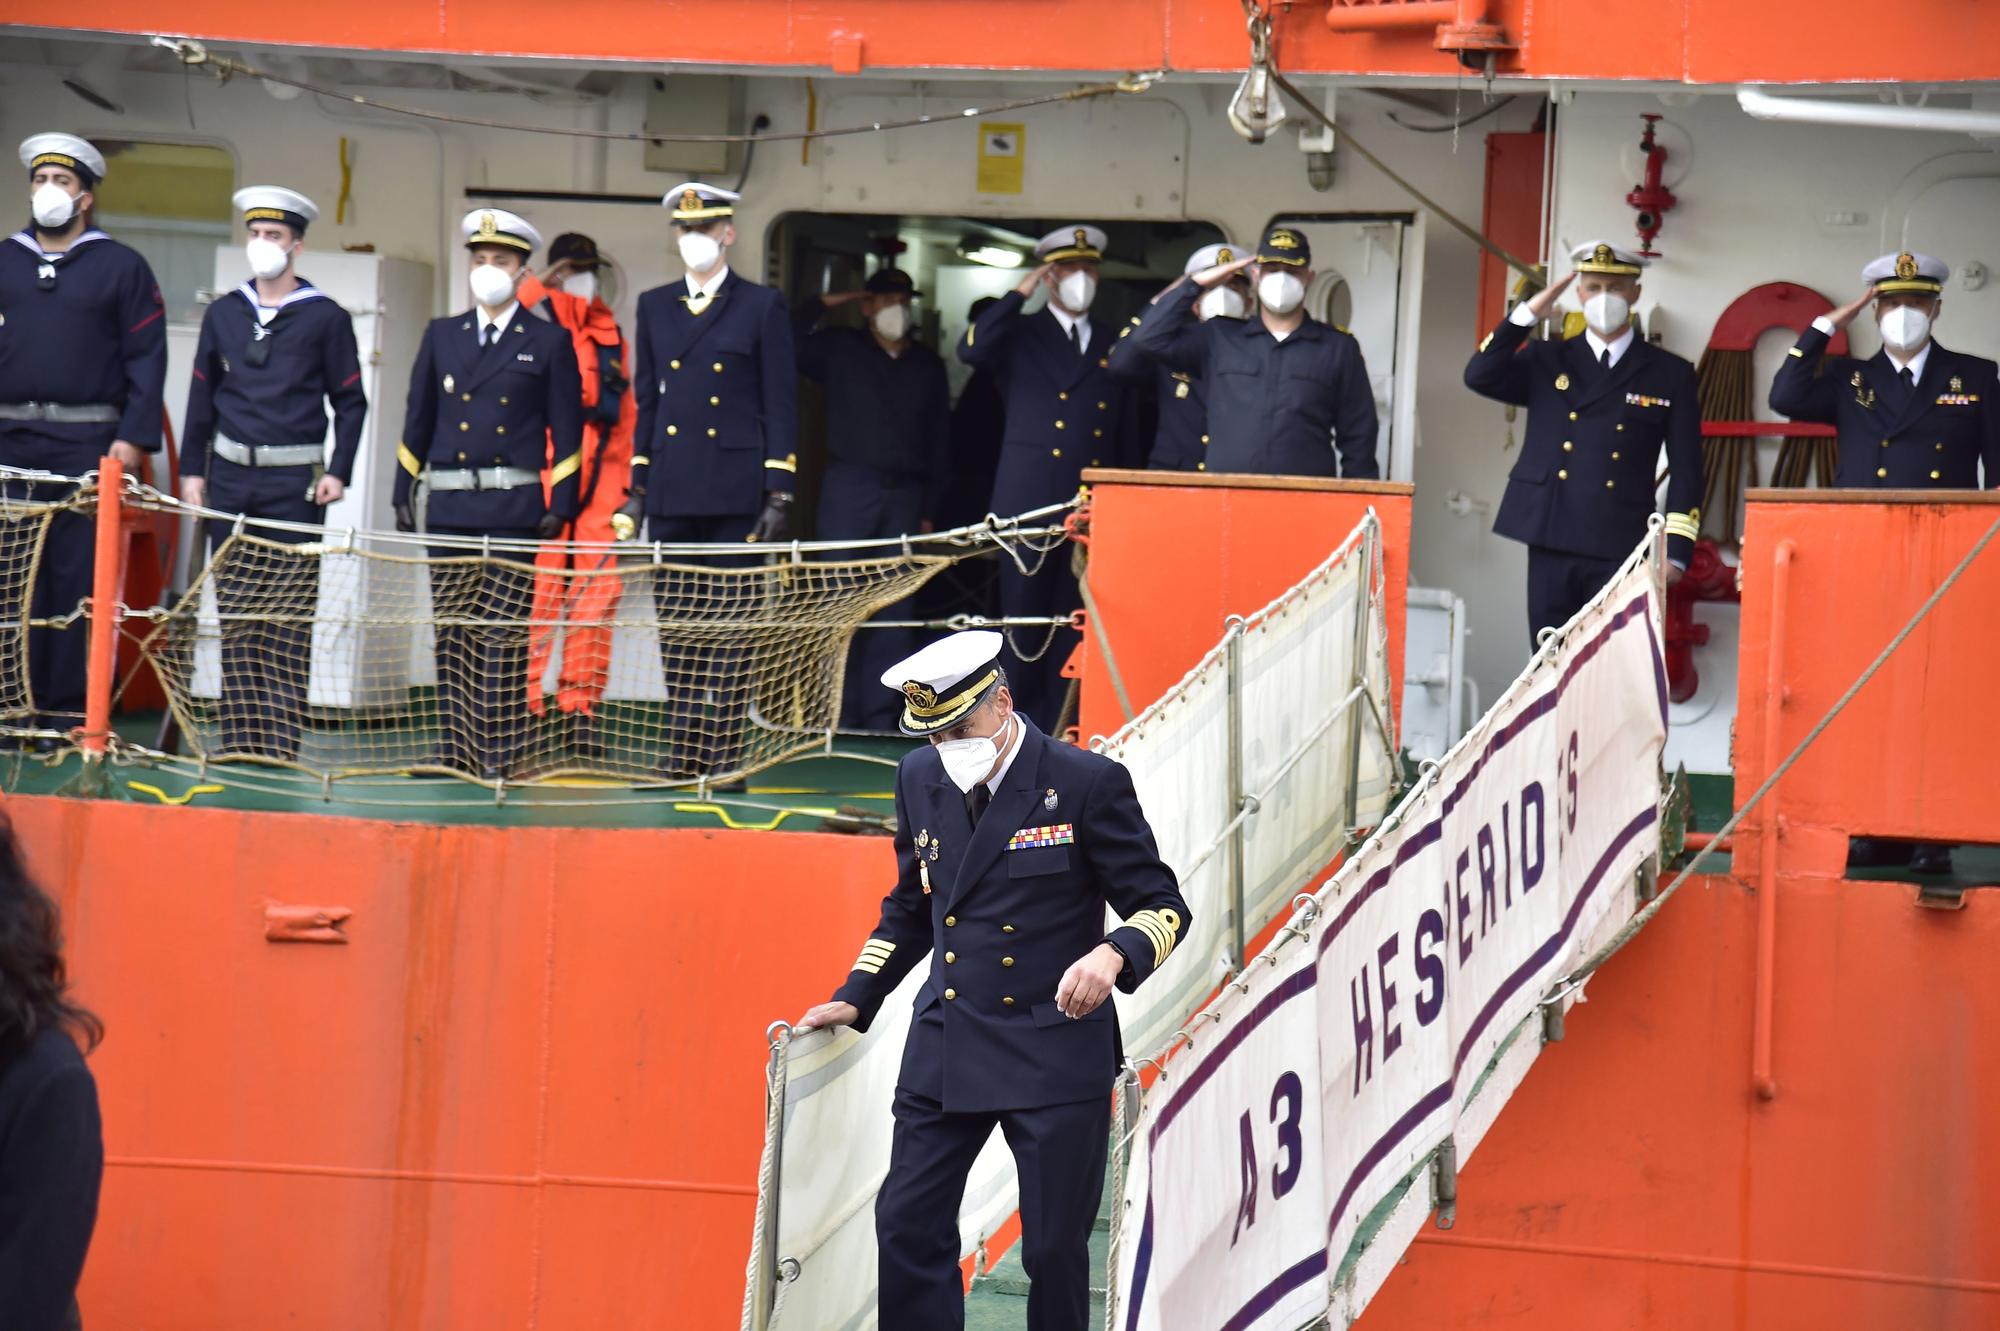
{"x":195,"y":55}
{"x":1450,"y":126}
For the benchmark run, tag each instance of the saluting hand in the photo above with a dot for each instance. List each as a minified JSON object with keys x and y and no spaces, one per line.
{"x":1545,"y":300}
{"x":1222,"y":272}
{"x":825,"y":1015}
{"x":835,"y":299}
{"x":1087,"y":983}
{"x":1033,"y":280}
{"x":1845,"y":314}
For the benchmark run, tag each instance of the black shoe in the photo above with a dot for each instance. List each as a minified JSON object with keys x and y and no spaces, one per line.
{"x":1867,"y":852}
{"x":1927,"y":857}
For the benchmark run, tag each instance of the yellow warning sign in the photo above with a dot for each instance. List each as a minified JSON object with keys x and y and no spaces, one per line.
{"x":1003,"y":157}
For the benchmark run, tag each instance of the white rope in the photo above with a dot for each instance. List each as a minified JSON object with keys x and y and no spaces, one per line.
{"x":776,"y":1072}
{"x":1639,"y":921}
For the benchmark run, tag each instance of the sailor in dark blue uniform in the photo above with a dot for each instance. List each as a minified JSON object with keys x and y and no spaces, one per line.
{"x":494,"y":398}
{"x":272,"y":355}
{"x":1064,"y":412}
{"x":83,"y":363}
{"x":1009,"y":845}
{"x":1914,"y":416}
{"x":888,"y":451}
{"x":1180,"y":442}
{"x":1601,"y":407}
{"x":1287,"y":394}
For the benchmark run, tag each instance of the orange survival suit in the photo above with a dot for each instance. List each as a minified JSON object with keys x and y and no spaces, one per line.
{"x":572,"y":605}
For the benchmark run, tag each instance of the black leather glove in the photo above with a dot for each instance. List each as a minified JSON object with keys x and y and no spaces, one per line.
{"x":406,"y":518}
{"x":627,"y":517}
{"x":775,"y":522}
{"x":551,"y":525}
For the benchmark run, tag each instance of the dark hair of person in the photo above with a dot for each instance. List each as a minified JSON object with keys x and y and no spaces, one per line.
{"x":34,"y":985}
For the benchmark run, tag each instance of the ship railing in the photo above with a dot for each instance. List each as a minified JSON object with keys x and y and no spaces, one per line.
{"x":345,"y":659}
{"x":1257,"y":770}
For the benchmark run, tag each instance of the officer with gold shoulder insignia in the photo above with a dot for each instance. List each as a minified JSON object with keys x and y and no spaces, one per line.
{"x":1914,"y":416}
{"x":1180,"y":442}
{"x":494,"y":395}
{"x":1063,"y":411}
{"x":1601,"y":409}
{"x":1009,"y":846}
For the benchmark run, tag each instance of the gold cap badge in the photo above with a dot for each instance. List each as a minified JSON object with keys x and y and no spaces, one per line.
{"x":1602,"y":254}
{"x":487,"y":229}
{"x":1224,"y":256}
{"x":920,"y":695}
{"x":1906,"y":265}
{"x":1284,"y":240}
{"x":690,"y":201}
{"x":1082,"y":237}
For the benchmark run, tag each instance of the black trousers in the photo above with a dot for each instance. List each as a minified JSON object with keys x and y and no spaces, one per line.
{"x":1560,"y":584}
{"x":862,"y":504}
{"x":708,"y":696}
{"x":1059,"y":1153}
{"x":482,"y":667}
{"x":1038,"y":686}
{"x":267,"y":601}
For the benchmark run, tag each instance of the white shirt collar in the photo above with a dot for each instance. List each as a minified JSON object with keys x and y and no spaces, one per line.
{"x":1618,"y":348}
{"x":481,"y":321}
{"x":713,"y":283}
{"x":1069,"y":321}
{"x":1020,"y":728}
{"x":1915,"y":364}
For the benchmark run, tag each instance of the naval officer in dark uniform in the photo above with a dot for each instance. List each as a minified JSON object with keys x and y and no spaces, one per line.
{"x":1064,"y":412}
{"x":1009,"y":845}
{"x":272,"y":355}
{"x":1601,"y":407}
{"x":714,"y":459}
{"x":83,"y":364}
{"x":1287,"y":394}
{"x":495,"y":396}
{"x":1180,"y":442}
{"x":1914,"y":416}
{"x":888,"y":449}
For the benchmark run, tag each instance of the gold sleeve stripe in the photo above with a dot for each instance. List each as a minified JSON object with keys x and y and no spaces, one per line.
{"x":1794,"y":351}
{"x":1682,"y":524}
{"x":1486,"y":342}
{"x":410,"y":462}
{"x":969,"y":330}
{"x":787,"y":464}
{"x":567,"y":468}
{"x":1147,"y":923}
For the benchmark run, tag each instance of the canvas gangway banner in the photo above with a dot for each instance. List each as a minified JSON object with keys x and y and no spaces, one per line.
{"x":1280,"y":1161}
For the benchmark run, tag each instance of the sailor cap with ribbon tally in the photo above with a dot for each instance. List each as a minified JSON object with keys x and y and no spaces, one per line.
{"x":695,"y":203}
{"x":274,"y":203}
{"x":943,"y":683}
{"x":1072,"y":244}
{"x":1893,"y":274}
{"x":497,"y":226}
{"x":1601,"y":256}
{"x":1283,"y":245}
{"x":1212,"y":256}
{"x":64,"y":150}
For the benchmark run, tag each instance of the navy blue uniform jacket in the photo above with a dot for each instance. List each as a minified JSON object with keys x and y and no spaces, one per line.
{"x":1891,"y":438}
{"x":283,"y":401}
{"x":1585,"y":480}
{"x":718,"y":400}
{"x":1300,"y":407}
{"x":1003,"y":913}
{"x":1064,"y":411}
{"x":890,"y":414}
{"x":1180,"y":440}
{"x":97,"y":337}
{"x":501,"y":406}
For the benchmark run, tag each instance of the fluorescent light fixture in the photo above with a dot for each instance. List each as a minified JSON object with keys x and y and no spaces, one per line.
{"x":993,"y":256}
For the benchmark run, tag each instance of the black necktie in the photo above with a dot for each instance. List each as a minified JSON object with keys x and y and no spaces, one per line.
{"x":1604,"y":358}
{"x":489,"y":335}
{"x":1909,"y":380}
{"x":976,"y":801}
{"x":1076,"y":337}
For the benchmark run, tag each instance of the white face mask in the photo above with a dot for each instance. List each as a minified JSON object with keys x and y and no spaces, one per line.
{"x":1077,"y":290}
{"x":267,"y":257}
{"x":967,"y":761}
{"x":1281,"y":292}
{"x":52,"y":205}
{"x":1221,"y":303}
{"x":1904,"y":328}
{"x":1607,"y":313}
{"x":892,"y":321}
{"x":581,"y":285}
{"x":699,"y":250}
{"x":492,"y":286}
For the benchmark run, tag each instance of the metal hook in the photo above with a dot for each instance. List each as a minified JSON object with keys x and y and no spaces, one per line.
{"x":1256,"y":109}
